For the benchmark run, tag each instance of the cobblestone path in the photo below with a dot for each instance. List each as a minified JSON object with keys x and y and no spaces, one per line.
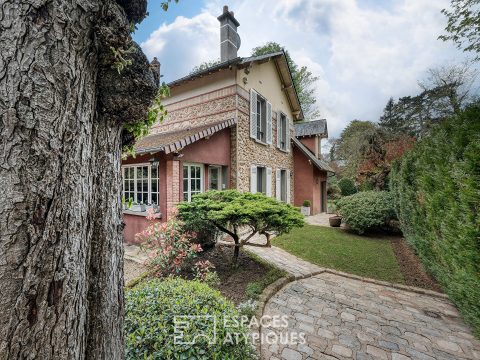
{"x":344,"y":318}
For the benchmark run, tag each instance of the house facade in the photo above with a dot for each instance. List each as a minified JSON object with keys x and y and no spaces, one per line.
{"x":230,"y":126}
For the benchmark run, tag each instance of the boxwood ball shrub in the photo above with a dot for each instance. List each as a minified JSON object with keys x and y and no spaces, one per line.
{"x":150,"y":311}
{"x":366,"y":210}
{"x":436,"y":188}
{"x":347,"y":187}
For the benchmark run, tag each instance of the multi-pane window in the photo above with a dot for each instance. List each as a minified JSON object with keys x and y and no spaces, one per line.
{"x":282,"y":132}
{"x":129,"y":183}
{"x":140,"y":183}
{"x":261,"y":119}
{"x":192,"y":180}
{"x":154,"y":185}
{"x":214,"y":178}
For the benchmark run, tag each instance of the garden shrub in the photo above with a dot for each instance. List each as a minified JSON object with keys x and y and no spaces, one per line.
{"x":347,"y":187}
{"x":436,"y":189}
{"x":169,"y":246}
{"x":366,"y":210}
{"x":150,"y":311}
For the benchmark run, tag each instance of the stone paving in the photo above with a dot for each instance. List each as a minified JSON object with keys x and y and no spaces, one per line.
{"x":283,"y":260}
{"x":344,"y":318}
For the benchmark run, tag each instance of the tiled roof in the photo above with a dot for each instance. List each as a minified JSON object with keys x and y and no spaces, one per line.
{"x":176,"y":140}
{"x":320,"y":164}
{"x":281,"y":64}
{"x":309,"y":128}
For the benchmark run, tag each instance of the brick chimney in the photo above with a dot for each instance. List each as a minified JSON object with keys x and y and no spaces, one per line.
{"x":229,"y":38}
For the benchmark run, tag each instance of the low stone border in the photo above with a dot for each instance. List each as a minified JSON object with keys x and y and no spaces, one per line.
{"x":389,"y":284}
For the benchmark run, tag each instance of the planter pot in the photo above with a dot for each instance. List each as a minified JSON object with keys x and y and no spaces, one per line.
{"x":335,"y":221}
{"x":305,"y":210}
{"x":143,"y":207}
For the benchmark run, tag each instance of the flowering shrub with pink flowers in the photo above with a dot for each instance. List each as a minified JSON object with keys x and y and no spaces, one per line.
{"x":168,"y":245}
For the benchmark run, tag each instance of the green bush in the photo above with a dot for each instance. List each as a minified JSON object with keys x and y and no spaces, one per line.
{"x":150,"y":311}
{"x":366,"y":210}
{"x":306,"y":203}
{"x":436,"y":189}
{"x":347,"y":187}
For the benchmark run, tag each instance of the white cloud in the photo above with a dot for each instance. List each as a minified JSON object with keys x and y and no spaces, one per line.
{"x":183,"y":44}
{"x":363,"y":55}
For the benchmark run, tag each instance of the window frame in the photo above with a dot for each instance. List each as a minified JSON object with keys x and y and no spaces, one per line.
{"x":261,"y":119}
{"x":263,"y":181}
{"x":202,"y":180}
{"x":220,"y":176}
{"x":282,"y":122}
{"x":283,"y":185}
{"x":135,"y":179}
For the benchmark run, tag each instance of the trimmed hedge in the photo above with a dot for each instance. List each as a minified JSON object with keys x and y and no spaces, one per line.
{"x":150,"y":311}
{"x":436,"y":190}
{"x":347,"y":187}
{"x":366,"y":210}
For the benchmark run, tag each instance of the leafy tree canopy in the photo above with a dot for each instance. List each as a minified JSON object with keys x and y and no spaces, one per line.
{"x":463,"y":25}
{"x":446,"y":90}
{"x":205,"y":65}
{"x":232,"y":212}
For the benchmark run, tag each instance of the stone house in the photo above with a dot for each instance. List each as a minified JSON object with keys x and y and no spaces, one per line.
{"x":232,"y":125}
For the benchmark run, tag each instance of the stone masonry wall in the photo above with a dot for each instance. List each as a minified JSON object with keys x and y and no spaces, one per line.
{"x":250,"y":152}
{"x":209,"y":108}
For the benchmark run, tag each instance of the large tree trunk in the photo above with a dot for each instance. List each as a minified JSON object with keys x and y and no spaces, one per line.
{"x":62,"y":107}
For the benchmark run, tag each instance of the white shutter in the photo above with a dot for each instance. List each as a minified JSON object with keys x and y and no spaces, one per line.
{"x":253,"y":114}
{"x":279,"y":129}
{"x":269,"y":182}
{"x":278,"y":184}
{"x":288,"y":186}
{"x":287,"y":137}
{"x":253,"y":179}
{"x":269,"y":123}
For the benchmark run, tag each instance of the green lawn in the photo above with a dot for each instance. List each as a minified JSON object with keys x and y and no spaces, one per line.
{"x":340,"y":250}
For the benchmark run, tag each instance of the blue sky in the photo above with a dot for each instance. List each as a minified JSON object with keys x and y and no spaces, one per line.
{"x":364,"y":51}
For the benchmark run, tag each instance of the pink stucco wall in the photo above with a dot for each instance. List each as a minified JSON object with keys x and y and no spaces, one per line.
{"x":212,"y":151}
{"x":308,"y":180}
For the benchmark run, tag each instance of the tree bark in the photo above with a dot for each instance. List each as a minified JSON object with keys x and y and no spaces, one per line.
{"x":62,"y":107}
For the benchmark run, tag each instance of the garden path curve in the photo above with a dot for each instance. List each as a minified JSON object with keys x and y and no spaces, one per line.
{"x":344,"y":316}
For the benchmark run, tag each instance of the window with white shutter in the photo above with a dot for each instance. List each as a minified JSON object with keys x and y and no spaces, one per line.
{"x":260,"y":118}
{"x":278,"y":185}
{"x":261,"y":180}
{"x":288,"y":186}
{"x":253,"y":179}
{"x":287,"y":135}
{"x":253,"y":114}
{"x":269,"y":123}
{"x":282,"y":131}
{"x":268,"y":187}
